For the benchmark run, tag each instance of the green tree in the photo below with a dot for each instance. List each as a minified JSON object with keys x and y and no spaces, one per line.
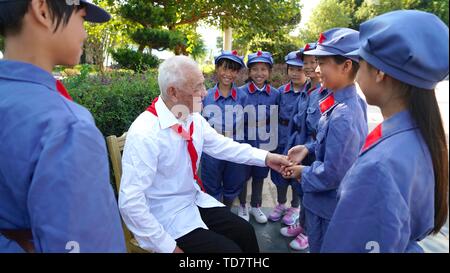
{"x":261,"y":25}
{"x":156,"y":22}
{"x":328,"y":14}
{"x":163,"y":23}
{"x":106,"y":37}
{"x":370,"y":9}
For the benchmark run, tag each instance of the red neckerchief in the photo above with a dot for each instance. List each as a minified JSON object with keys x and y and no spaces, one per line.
{"x":190,"y":145}
{"x":62,"y":90}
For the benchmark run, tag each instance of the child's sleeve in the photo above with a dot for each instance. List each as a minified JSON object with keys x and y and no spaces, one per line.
{"x":71,"y":204}
{"x":342,"y":146}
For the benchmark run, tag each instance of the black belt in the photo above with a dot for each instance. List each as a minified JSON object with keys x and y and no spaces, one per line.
{"x":23,"y":237}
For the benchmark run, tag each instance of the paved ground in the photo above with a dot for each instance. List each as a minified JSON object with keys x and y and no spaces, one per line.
{"x":271,"y":240}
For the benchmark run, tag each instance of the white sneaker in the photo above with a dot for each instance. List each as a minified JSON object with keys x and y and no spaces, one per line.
{"x":260,"y":217}
{"x":243,"y":212}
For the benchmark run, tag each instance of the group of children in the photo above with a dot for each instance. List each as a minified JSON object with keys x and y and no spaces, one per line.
{"x":322,"y":128}
{"x":352,"y":191}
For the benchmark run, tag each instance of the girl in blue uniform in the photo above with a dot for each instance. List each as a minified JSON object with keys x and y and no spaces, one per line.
{"x":341,"y":132}
{"x":302,"y":131}
{"x":223,"y":108}
{"x":396,"y":193}
{"x":289,"y":94}
{"x":261,"y":126}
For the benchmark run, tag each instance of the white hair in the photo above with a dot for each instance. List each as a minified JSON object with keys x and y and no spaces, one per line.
{"x":172,"y":72}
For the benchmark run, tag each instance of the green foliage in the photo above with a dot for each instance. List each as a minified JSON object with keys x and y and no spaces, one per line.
{"x":328,"y":14}
{"x":159,"y":39}
{"x":265,"y":23}
{"x":363,"y":10}
{"x":136,"y":61}
{"x":279,"y":47}
{"x":351,"y":13}
{"x":114,"y":99}
{"x":105,"y":37}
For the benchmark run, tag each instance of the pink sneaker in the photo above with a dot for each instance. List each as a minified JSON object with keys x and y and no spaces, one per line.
{"x":291,"y":216}
{"x":291,"y":231}
{"x":277,"y":212}
{"x":300,"y":242}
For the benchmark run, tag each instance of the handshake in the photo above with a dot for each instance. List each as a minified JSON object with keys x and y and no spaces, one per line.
{"x":288,"y":165}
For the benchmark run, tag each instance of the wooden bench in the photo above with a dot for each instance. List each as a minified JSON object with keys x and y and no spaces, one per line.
{"x":115,"y":148}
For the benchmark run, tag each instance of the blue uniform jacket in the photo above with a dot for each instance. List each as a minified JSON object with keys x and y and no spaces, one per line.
{"x":267,"y":100}
{"x":54,"y":173}
{"x":386,"y":200}
{"x":224,"y":114}
{"x":341,"y":134}
{"x":287,"y":104}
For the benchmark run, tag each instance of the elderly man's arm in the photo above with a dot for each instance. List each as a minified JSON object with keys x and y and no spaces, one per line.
{"x":225,"y":148}
{"x":139,"y":163}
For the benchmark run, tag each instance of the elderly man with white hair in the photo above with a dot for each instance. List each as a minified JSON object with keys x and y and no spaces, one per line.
{"x":162,"y":199}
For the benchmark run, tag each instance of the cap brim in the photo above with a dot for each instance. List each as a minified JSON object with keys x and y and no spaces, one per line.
{"x":259,"y":60}
{"x":318,"y":52}
{"x":96,"y":14}
{"x":295,"y":63}
{"x":232,"y":58}
{"x":354,"y":53}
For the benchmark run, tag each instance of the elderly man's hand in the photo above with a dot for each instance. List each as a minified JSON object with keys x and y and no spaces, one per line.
{"x":277,"y":162}
{"x":297,"y":154}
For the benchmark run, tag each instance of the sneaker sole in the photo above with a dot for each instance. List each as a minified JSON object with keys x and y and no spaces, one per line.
{"x":274,"y":220}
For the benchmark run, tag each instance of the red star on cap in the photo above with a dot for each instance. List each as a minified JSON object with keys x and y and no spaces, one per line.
{"x":234,"y":52}
{"x":321,"y":38}
{"x":259,"y":53}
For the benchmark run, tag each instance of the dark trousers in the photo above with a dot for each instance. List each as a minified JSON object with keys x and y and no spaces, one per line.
{"x":282,"y":195}
{"x":257,"y":189}
{"x":227,"y":233}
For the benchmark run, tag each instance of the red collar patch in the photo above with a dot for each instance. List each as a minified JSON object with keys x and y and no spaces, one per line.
{"x":287,"y":88}
{"x":306,"y":47}
{"x":327,"y":103}
{"x":373,"y":137}
{"x":252,"y":88}
{"x":233,"y":94}
{"x":216,"y":94}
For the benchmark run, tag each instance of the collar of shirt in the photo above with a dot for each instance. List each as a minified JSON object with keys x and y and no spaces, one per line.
{"x":290,"y":87}
{"x":334,"y":98}
{"x":218,"y":94}
{"x":26,"y":72}
{"x":309,"y":88}
{"x":166,"y":118}
{"x":252,"y":88}
{"x":398,"y":123}
{"x":345,"y":93}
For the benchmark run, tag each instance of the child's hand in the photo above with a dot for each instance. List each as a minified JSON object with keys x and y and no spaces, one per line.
{"x":297,"y":153}
{"x":294,"y":172}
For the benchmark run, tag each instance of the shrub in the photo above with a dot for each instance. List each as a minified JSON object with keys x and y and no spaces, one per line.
{"x":115,"y":99}
{"x":136,"y":61}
